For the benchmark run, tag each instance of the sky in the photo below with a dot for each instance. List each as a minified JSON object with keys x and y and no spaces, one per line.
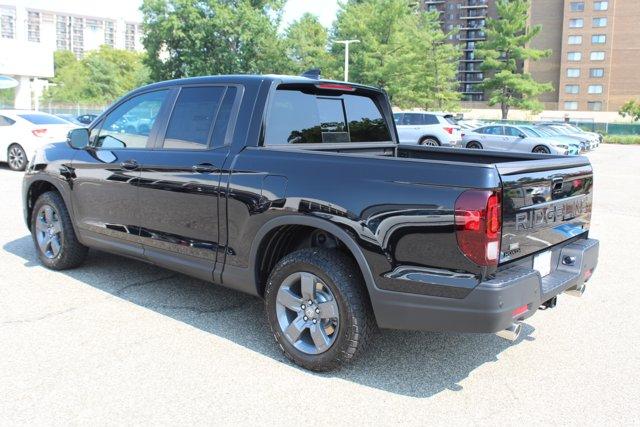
{"x":128,"y":9}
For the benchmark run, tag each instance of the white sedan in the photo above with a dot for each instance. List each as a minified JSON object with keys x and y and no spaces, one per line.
{"x":23,"y":131}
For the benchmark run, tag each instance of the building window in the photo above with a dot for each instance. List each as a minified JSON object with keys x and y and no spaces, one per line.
{"x":62,"y":33}
{"x":77,"y":31}
{"x":573,"y":89}
{"x":574,"y":56}
{"x":109,"y":33}
{"x":575,"y":39}
{"x":573,"y":72}
{"x":33,"y":26}
{"x":130,"y":37}
{"x":600,"y":5}
{"x":597,"y":56}
{"x":594,"y":105}
{"x":577,"y":6}
{"x":598,"y":39}
{"x":571,"y":105}
{"x":576,"y":23}
{"x":7,"y":23}
{"x":593,"y":89}
{"x":599,"y":22}
{"x":596,"y":72}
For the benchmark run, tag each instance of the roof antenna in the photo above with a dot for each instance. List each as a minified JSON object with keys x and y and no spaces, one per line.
{"x":313,"y":73}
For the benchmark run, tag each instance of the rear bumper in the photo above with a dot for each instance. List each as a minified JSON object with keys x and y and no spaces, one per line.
{"x":490,"y":305}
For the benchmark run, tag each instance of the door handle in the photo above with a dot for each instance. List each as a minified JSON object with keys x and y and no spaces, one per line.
{"x":204,"y":168}
{"x":130,"y":165}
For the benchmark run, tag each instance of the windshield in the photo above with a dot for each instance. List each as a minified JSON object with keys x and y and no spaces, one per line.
{"x":43,"y":119}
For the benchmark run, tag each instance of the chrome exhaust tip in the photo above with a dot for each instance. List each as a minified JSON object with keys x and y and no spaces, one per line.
{"x":512,"y":332}
{"x":577,"y":291}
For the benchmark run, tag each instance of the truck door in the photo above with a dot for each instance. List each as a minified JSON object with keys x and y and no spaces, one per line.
{"x":182,"y":181}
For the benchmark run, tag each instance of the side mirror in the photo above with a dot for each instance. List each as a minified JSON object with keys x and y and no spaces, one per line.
{"x":78,"y":138}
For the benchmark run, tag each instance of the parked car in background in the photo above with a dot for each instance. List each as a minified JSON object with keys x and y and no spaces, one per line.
{"x":575,"y":146}
{"x":470,"y":124}
{"x":561,"y":129}
{"x":585,"y":142}
{"x":71,"y":119}
{"x":86,"y":119}
{"x":23,"y":131}
{"x":431,"y":129}
{"x":511,"y":138}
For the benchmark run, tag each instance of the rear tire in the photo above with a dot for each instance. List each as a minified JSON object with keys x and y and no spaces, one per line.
{"x":16,"y":157}
{"x":474,"y":145}
{"x":541,"y":149}
{"x":53,"y":235}
{"x":429,"y":142}
{"x":338,"y":324}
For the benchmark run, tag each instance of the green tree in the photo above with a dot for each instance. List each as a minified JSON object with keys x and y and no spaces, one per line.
{"x":306,"y":43}
{"x":631,"y":109}
{"x":100,"y":77}
{"x":504,"y":52}
{"x":402,"y":50}
{"x":204,"y":37}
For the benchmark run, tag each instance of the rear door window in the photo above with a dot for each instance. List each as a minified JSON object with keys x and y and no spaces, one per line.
{"x":298,"y":117}
{"x":192,"y":117}
{"x":430,"y":119}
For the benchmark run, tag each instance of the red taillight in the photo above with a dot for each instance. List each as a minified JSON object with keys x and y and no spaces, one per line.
{"x":39,"y":132}
{"x":478,"y":221}
{"x":336,"y":86}
{"x":520,"y":310}
{"x":449,"y":130}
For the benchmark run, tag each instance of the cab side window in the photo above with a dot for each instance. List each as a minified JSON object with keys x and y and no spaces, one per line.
{"x":200,"y":115}
{"x":130,"y":124}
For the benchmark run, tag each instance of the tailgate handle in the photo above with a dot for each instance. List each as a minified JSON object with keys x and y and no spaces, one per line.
{"x":557,"y":184}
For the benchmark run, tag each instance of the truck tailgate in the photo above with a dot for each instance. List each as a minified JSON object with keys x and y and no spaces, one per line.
{"x":545,"y":202}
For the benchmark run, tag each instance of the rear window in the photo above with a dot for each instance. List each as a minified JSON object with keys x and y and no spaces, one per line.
{"x":43,"y":119}
{"x":298,"y":117}
{"x":451,"y":120}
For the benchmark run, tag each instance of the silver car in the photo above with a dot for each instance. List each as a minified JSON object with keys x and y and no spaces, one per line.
{"x":511,"y":138}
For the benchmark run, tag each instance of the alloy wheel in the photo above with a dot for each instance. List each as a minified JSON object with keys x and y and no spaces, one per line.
{"x":307,"y":313}
{"x":17,"y":158}
{"x":49,"y":231}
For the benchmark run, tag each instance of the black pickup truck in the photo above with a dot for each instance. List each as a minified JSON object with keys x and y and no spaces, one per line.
{"x":295,"y":190}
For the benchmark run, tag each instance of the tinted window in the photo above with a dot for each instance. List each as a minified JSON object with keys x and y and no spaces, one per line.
{"x":6,"y":121}
{"x":430,"y":119}
{"x":192,"y":117}
{"x":451,"y":120}
{"x":397,"y":117}
{"x":492,"y":130}
{"x":130,"y":124}
{"x":300,"y":117}
{"x":413,"y":119}
{"x":224,"y":115}
{"x":43,"y":119}
{"x":511,"y":131}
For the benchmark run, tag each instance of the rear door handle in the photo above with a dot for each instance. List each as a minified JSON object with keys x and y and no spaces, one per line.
{"x":130,"y":165}
{"x":204,"y":168}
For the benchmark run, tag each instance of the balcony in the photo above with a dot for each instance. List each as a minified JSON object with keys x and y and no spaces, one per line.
{"x":429,"y":2}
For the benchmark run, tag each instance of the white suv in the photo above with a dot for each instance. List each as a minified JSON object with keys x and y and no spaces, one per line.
{"x":434,"y":129}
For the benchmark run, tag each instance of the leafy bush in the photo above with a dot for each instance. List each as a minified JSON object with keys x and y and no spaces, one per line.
{"x":622,"y":139}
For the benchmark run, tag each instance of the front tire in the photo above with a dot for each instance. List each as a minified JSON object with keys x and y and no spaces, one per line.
{"x":318,"y":309}
{"x":53,"y":236}
{"x":16,"y":157}
{"x":541,"y":149}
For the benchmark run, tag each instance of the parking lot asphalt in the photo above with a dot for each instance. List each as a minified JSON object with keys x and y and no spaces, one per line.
{"x":119,"y":341}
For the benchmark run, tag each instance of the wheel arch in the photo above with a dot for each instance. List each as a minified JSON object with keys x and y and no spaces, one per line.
{"x":261,"y":245}
{"x":473,"y":141}
{"x":35,"y":189}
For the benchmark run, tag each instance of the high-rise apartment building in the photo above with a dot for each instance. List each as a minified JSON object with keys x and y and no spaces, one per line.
{"x":595,"y":49}
{"x":465,"y":19}
{"x":61,"y":29}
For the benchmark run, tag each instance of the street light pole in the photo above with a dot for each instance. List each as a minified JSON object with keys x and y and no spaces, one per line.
{"x":346,"y":44}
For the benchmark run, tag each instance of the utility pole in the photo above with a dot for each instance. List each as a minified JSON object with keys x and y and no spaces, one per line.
{"x":346,"y":44}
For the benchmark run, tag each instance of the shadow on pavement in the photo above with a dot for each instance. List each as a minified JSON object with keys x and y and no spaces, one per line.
{"x":417,"y":364}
